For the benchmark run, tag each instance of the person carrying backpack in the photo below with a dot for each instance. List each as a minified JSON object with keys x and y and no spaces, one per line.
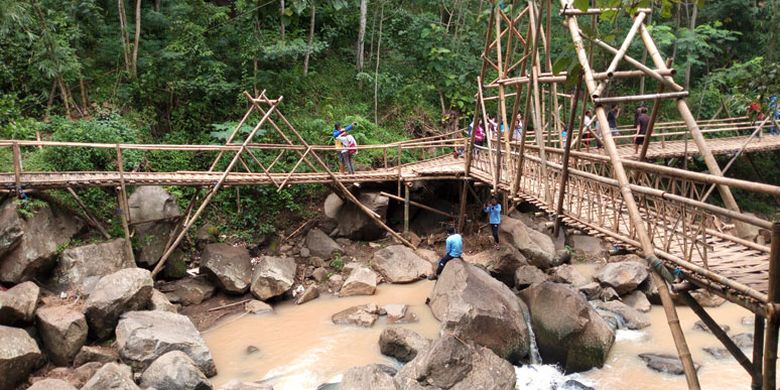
{"x":348,"y":149}
{"x":337,"y":134}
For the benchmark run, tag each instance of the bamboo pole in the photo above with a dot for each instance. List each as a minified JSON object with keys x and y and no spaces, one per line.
{"x":125,"y":226}
{"x":121,"y":168}
{"x":772,"y":323}
{"x":758,"y":352}
{"x":633,"y":210}
{"x":487,"y":136}
{"x":566,"y":153}
{"x":540,"y":140}
{"x":295,"y":167}
{"x":417,"y":204}
{"x":640,"y":98}
{"x":638,"y":20}
{"x":93,"y":221}
{"x":17,"y":168}
{"x":651,"y":125}
{"x":406,"y":209}
{"x":212,"y":191}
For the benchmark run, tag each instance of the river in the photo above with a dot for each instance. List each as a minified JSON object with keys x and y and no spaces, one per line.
{"x":299,"y":347}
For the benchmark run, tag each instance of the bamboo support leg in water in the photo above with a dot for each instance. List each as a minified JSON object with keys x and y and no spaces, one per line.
{"x":758,"y":351}
{"x":120,"y":200}
{"x":566,"y":152}
{"x":406,"y":209}
{"x":772,"y":323}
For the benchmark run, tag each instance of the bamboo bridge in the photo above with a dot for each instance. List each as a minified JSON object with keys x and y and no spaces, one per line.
{"x":666,"y":214}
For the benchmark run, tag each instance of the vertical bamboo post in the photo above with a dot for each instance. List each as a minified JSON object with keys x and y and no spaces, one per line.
{"x":120,"y":164}
{"x":406,"y":208}
{"x":758,"y":352}
{"x":120,"y":200}
{"x":17,"y":168}
{"x":537,"y":114}
{"x":773,"y":295}
{"x":398,"y":158}
{"x":566,"y":152}
{"x":633,"y":210}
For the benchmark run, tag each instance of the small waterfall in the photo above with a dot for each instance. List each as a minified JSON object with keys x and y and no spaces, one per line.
{"x":534,"y":356}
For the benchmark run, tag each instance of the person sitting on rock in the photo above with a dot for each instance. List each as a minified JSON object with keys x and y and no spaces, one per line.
{"x":494,"y":213}
{"x":453,"y":249}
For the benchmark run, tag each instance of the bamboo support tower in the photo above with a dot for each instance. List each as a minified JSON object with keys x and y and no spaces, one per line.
{"x":566,"y":155}
{"x":772,"y":320}
{"x":418,"y":204}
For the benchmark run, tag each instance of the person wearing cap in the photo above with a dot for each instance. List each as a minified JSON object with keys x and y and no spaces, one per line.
{"x":337,"y":130}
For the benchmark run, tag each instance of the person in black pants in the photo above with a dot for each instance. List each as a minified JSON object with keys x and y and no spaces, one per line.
{"x":494,"y":214}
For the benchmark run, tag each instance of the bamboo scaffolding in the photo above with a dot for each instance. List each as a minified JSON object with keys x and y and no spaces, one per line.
{"x":772,"y":320}
{"x":418,"y":204}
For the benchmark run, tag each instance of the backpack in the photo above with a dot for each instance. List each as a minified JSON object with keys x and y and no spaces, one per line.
{"x":351,"y":146}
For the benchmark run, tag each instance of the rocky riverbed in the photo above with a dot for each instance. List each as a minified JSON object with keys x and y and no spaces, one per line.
{"x":78,"y":312}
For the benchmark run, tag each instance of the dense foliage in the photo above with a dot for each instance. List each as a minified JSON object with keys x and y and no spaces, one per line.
{"x":90,"y":70}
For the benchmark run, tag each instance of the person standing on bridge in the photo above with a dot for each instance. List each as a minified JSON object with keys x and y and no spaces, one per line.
{"x":642,"y":122}
{"x":337,"y":131}
{"x":493,"y":209}
{"x":612,"y":115}
{"x":774,"y":115}
{"x":348,"y":149}
{"x":453,"y":249}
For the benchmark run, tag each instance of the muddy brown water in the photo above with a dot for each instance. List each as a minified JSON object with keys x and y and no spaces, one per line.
{"x":299,"y":347}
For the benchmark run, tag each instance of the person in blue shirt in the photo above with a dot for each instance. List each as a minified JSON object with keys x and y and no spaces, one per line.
{"x":453,"y":249}
{"x":493,"y":209}
{"x":337,"y":132}
{"x":774,"y":115}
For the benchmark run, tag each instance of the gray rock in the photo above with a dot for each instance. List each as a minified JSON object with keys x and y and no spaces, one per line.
{"x":112,"y":376}
{"x":572,"y":335}
{"x":89,"y":353}
{"x":190,"y":291}
{"x":63,"y":332}
{"x":587,"y":248}
{"x":151,"y":239}
{"x":174,"y":371}
{"x":638,"y":300}
{"x":666,"y":363}
{"x":258,"y":307}
{"x":159,"y":301}
{"x":122,"y":291}
{"x":320,"y":274}
{"x":402,"y":343}
{"x":152,"y":203}
{"x":321,"y":245}
{"x":717,"y":352}
{"x":474,"y":306}
{"x":144,"y":336}
{"x":361,"y":281}
{"x":395,"y":311}
{"x":591,"y":290}
{"x":501,"y":264}
{"x":537,"y":247}
{"x":623,"y":277}
{"x":11,"y":227}
{"x":353,"y":222}
{"x":450,"y":364}
{"x":44,"y":234}
{"x":362,"y":315}
{"x":51,"y":384}
{"x":700,"y":325}
{"x":80,"y":268}
{"x":567,"y":273}
{"x":743,"y":340}
{"x":206,"y":233}
{"x":335,"y":283}
{"x":400,"y":264}
{"x":18,"y":303}
{"x":273,"y":277}
{"x":707,"y":299}
{"x":631,"y":318}
{"x":372,"y":376}
{"x":19,"y":355}
{"x":230,"y":267}
{"x":529,"y":275}
{"x":238,"y":385}
{"x":307,"y":295}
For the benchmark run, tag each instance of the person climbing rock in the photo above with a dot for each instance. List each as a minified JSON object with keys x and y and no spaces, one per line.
{"x":337,"y":130}
{"x":453,"y":249}
{"x":493,"y":208}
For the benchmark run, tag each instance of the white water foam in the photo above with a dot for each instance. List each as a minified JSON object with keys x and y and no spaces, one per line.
{"x":631,"y":335}
{"x":544,"y":377}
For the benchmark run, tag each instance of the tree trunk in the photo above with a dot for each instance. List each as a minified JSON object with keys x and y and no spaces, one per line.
{"x":281,"y":20}
{"x":83,"y":90}
{"x":376,"y":69}
{"x":361,"y":33}
{"x":692,"y":27}
{"x":65,"y":96}
{"x":309,"y":43}
{"x":676,"y":30}
{"x":157,"y":5}
{"x":134,"y":69}
{"x":123,"y":33}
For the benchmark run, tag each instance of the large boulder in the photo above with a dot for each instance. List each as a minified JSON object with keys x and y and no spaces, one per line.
{"x":529,"y":275}
{"x":400,"y":264}
{"x":124,"y":290}
{"x":569,"y":332}
{"x":566,"y":273}
{"x":624,"y":277}
{"x":19,"y":355}
{"x":629,"y":317}
{"x":638,"y":300}
{"x":321,"y":245}
{"x":18,"y":303}
{"x":588,"y":248}
{"x":160,"y":301}
{"x":51,"y":384}
{"x":537,"y":247}
{"x":353,"y":222}
{"x":401,"y":343}
{"x":474,"y":306}
{"x":156,"y":210}
{"x":230,"y":267}
{"x":362,"y":315}
{"x":11,"y":227}
{"x":372,"y":376}
{"x":63,"y":332}
{"x":95,"y":353}
{"x":112,"y":376}
{"x":361,"y":281}
{"x":45,"y":231}
{"x":174,"y":371}
{"x":80,"y":268}
{"x":273,"y":277}
{"x":502,"y":264}
{"x":449,"y":363}
{"x":144,"y":336}
{"x":190,"y":291}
